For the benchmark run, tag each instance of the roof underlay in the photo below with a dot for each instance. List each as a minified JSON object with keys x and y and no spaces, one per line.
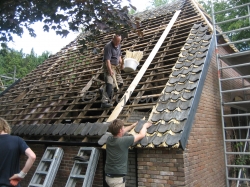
{"x":60,"y":98}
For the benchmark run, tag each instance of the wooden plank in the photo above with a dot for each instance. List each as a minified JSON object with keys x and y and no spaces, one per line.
{"x":143,"y":69}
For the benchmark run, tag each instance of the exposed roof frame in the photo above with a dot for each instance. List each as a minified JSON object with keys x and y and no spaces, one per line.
{"x":143,"y":69}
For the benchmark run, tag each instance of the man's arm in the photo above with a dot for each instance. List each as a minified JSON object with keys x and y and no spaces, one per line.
{"x":128,"y":128}
{"x":31,"y":159}
{"x":121,"y":63}
{"x":108,"y":64}
{"x":143,"y":132}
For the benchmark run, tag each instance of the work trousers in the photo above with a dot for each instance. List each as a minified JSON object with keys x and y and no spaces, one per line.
{"x":109,"y":80}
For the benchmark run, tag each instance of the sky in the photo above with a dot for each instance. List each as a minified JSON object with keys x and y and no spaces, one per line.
{"x":49,"y":41}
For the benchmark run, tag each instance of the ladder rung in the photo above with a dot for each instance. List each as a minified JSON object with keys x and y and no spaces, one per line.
{"x":239,"y":166}
{"x":236,"y":115}
{"x":35,"y":185}
{"x":233,"y":55}
{"x":235,"y":90}
{"x":238,"y":153}
{"x":237,"y":140}
{"x":47,"y":160}
{"x":81,"y":162}
{"x":231,"y":31}
{"x":42,"y":172}
{"x":238,"y":179}
{"x":235,"y":66}
{"x":234,"y":19}
{"x":238,"y":41}
{"x":239,"y":77}
{"x":237,"y":102}
{"x":77,"y":176}
{"x":236,"y":7}
{"x":238,"y":127}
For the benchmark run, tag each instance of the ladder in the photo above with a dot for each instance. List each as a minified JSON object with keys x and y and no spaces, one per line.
{"x":234,"y":87}
{"x":46,"y":171}
{"x":83,"y":172}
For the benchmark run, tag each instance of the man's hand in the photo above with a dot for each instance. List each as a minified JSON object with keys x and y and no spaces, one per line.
{"x":133,"y":125}
{"x":142,"y":132}
{"x":121,"y":63}
{"x":111,"y":72}
{"x":130,"y":127}
{"x":14,"y":182}
{"x":147,"y":124}
{"x":15,"y":179}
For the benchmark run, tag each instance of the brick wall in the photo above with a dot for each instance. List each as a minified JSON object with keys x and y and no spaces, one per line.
{"x":160,"y":167}
{"x":131,"y":176}
{"x":204,"y":155}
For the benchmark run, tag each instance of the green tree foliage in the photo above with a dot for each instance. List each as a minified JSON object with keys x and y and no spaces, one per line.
{"x":231,"y":14}
{"x":132,"y":11}
{"x":24,"y":63}
{"x":156,"y":3}
{"x":94,"y":15}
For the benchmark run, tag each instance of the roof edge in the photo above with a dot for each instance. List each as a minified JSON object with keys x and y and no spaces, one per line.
{"x":193,"y":109}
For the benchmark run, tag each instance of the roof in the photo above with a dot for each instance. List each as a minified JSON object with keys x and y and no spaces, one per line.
{"x":60,"y":97}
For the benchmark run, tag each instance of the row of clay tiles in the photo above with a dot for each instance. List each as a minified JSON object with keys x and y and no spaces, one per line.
{"x":95,"y":130}
{"x":152,"y":138}
{"x":83,"y":129}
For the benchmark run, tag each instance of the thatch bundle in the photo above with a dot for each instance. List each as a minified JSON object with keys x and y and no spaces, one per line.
{"x":137,"y":55}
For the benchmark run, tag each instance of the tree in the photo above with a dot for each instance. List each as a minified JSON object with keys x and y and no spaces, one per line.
{"x":233,"y":25}
{"x":94,"y":15}
{"x":24,"y":63}
{"x":157,"y":3}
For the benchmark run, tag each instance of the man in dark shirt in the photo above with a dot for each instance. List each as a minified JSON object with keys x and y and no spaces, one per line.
{"x":112,"y":65}
{"x":117,"y":151}
{"x":10,"y":150}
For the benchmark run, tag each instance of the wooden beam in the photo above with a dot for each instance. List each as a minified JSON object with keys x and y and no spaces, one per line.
{"x":143,"y":69}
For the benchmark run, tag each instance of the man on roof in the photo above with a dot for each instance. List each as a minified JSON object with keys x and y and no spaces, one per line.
{"x":112,"y":65}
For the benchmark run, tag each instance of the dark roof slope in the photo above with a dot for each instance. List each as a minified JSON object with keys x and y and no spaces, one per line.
{"x":64,"y":89}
